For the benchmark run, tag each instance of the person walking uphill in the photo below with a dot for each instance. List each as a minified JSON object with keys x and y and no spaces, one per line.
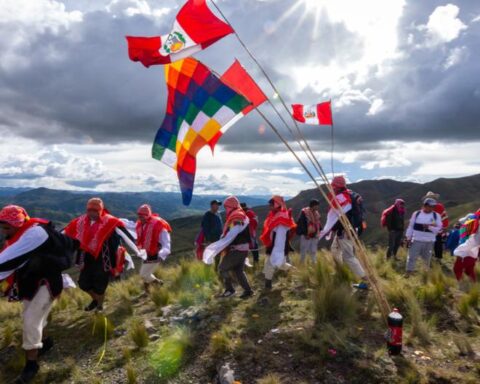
{"x":343,"y":249}
{"x":277,"y":231}
{"x":153,"y":236}
{"x":393,"y":218}
{"x":308,"y":228}
{"x":440,"y":209}
{"x":100,"y":235}
{"x":235,"y":245}
{"x":424,"y":226}
{"x":31,"y":264}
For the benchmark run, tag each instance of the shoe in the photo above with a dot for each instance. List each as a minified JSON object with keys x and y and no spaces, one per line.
{"x":99,"y":309}
{"x":47,"y":346}
{"x":363,"y":285}
{"x":90,"y":307}
{"x":227,"y":293}
{"x":268,"y":284}
{"x":28,"y":373}
{"x":246,"y":294}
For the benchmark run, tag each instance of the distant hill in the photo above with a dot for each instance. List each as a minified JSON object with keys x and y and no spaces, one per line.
{"x":62,"y":206}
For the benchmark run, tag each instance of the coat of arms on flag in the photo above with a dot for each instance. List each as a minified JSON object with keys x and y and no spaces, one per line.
{"x":195,"y":28}
{"x":320,"y":114}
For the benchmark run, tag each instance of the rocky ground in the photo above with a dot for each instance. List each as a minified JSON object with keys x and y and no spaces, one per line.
{"x":311,"y":328}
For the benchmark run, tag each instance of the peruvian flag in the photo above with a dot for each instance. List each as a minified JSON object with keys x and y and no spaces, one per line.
{"x":195,"y":28}
{"x":320,"y":114}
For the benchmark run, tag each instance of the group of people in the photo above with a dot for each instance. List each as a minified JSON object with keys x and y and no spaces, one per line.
{"x":35,"y":255}
{"x":228,"y":245}
{"x":427,"y":235}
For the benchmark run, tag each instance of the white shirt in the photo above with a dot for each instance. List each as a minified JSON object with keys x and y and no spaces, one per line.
{"x":31,"y":239}
{"x":434,"y":222}
{"x":215,"y":248}
{"x":277,"y":258}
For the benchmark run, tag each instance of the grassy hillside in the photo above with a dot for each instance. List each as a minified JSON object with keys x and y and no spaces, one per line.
{"x":311,"y":328}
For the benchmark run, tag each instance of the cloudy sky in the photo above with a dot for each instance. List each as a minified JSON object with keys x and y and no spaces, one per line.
{"x":404,"y":77}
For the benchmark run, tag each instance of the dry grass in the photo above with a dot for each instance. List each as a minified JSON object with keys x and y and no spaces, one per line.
{"x":161,"y":297}
{"x":138,"y":333}
{"x":271,"y":378}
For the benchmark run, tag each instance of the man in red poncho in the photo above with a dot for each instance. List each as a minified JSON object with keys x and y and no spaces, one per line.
{"x":31,"y":264}
{"x":277,"y":231}
{"x":100,"y":235}
{"x":234,"y":244}
{"x":153,"y":235}
{"x":343,"y":249}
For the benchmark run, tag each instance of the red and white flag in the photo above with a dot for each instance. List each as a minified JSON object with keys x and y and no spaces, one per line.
{"x":320,"y":114}
{"x":195,"y":28}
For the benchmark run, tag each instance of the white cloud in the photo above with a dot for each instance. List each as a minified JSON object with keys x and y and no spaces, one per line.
{"x":443,"y":25}
{"x":26,"y":19}
{"x":136,"y":7}
{"x":375,"y":107}
{"x":456,"y":56}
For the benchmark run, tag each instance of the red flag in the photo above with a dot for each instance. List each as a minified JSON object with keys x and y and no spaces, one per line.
{"x":320,"y":114}
{"x":239,"y":79}
{"x":195,"y":28}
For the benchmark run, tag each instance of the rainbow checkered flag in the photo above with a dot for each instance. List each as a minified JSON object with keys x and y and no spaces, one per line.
{"x":200,"y":109}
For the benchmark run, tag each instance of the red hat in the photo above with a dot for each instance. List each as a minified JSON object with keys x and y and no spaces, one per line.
{"x":14,"y":215}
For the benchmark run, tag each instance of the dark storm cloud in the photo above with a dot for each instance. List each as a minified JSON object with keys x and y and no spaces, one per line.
{"x":79,"y":86}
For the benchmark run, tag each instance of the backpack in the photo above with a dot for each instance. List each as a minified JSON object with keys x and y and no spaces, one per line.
{"x":387,"y":212}
{"x":63,"y":248}
{"x":357,"y":216}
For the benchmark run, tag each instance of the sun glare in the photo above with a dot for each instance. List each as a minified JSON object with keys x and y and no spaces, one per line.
{"x":312,"y":4}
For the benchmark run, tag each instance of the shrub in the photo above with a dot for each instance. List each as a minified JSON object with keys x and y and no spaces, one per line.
{"x":131,"y":374}
{"x":139,"y":334}
{"x":160,"y":296}
{"x":332,"y":297}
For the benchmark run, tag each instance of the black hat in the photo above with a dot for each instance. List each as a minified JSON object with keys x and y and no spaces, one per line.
{"x":218,"y":202}
{"x":314,"y":203}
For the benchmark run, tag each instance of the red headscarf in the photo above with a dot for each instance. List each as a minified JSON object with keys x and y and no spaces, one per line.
{"x":338,"y":182}
{"x":280,"y":215}
{"x":233,"y":211}
{"x":14,"y":215}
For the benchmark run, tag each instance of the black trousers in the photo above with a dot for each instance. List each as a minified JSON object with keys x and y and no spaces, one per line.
{"x":234,"y":262}
{"x":438,"y":247}
{"x":394,"y":242}
{"x":255,"y":253}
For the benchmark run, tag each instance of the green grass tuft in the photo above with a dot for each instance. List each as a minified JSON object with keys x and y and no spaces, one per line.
{"x":168,"y":357}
